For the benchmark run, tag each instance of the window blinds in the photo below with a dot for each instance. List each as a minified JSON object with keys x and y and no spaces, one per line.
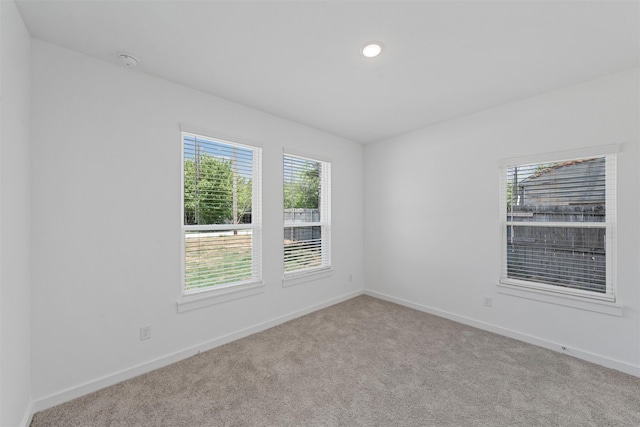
{"x":307,"y":198}
{"x":221,"y":213}
{"x":558,"y":225}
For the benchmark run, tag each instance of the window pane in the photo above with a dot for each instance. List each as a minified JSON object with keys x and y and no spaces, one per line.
{"x":217,"y":182}
{"x":307,"y":213}
{"x":302,"y":189}
{"x":217,"y":257}
{"x":569,"y":191}
{"x":571,"y":257}
{"x":302,"y":247}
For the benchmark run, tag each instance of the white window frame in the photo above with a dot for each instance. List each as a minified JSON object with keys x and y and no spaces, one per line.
{"x":587,"y":300}
{"x":325,"y":269}
{"x":199,"y":298}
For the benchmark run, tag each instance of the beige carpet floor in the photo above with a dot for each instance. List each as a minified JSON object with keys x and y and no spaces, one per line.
{"x":365,"y":362}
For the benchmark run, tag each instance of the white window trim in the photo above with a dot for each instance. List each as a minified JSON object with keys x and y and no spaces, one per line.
{"x":222,"y":293}
{"x":219,"y":295}
{"x":326,"y":269}
{"x":552,"y":294}
{"x":605,"y":307}
{"x":309,"y":275}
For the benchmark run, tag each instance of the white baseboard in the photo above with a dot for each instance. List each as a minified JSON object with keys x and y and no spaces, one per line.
{"x":108,"y":380}
{"x":580,"y":354}
{"x":28,"y":415}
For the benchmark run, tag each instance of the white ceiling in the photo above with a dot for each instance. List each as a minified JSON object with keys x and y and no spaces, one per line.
{"x":300,"y":59}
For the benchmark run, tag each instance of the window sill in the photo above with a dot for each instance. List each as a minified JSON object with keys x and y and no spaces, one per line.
{"x":217,"y":296}
{"x":605,"y":307}
{"x":293,"y":279}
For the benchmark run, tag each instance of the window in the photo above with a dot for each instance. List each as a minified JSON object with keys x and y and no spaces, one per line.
{"x":221,"y":218}
{"x":558,"y":226}
{"x":307,"y":215}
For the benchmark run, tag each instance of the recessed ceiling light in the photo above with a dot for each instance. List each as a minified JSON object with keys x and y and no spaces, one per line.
{"x":127,"y":59}
{"x":371,"y":49}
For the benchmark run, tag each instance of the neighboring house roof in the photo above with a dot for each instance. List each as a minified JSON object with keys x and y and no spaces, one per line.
{"x":574,"y":182}
{"x":558,"y":166}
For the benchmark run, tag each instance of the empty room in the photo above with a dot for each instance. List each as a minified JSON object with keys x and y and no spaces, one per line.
{"x":319,"y":213}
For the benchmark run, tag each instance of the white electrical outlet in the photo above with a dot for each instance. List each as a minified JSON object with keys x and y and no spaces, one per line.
{"x":487,"y":301}
{"x":145,"y":333}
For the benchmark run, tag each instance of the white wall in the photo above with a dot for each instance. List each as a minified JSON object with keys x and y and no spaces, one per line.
{"x":432,"y":234}
{"x":106,"y":222}
{"x":15,"y":220}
